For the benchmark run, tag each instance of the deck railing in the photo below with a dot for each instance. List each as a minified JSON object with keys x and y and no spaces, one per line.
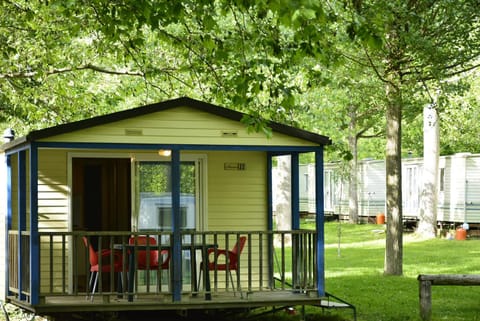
{"x":19,"y":263}
{"x":270,"y":260}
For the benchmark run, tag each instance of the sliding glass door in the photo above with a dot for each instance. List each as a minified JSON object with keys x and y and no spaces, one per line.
{"x":153,"y":205}
{"x":154,"y":195}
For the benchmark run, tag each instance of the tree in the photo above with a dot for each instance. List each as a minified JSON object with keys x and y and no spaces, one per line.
{"x":414,"y":42}
{"x":63,"y":62}
{"x":349,"y":109}
{"x":431,"y":146}
{"x":254,"y":56}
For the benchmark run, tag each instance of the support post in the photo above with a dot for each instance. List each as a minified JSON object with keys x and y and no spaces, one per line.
{"x":319,"y":221}
{"x":271,"y":281}
{"x":425,"y":291}
{"x":34,"y":237}
{"x":176,"y":254}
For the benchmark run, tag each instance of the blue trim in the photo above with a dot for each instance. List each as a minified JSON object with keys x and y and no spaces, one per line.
{"x":270,"y":219}
{"x":295,"y":191}
{"x":279,"y":149}
{"x":22,"y":214}
{"x":17,"y":149}
{"x":9,"y":192}
{"x":269,"y":192}
{"x":176,"y":225}
{"x":8,"y":221}
{"x":286,"y":152}
{"x":295,"y":219}
{"x":34,"y":237}
{"x":319,"y":203}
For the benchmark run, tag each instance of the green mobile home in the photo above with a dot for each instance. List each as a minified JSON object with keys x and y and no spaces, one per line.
{"x":187,"y":175}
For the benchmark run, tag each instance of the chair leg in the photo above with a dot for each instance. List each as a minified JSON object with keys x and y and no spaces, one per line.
{"x":239,"y":288}
{"x":199,"y":281}
{"x":89,"y":285}
{"x":94,"y":286}
{"x":233,"y":284}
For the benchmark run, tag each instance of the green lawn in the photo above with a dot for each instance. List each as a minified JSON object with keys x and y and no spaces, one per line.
{"x":354,"y":272}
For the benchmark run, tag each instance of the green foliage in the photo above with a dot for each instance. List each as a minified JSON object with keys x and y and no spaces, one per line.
{"x":156,"y":177}
{"x":304,"y":63}
{"x":460,"y":118}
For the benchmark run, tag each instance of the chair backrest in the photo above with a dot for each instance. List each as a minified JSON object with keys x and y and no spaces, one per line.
{"x":142,"y":255}
{"x":239,"y":245}
{"x":92,"y":254}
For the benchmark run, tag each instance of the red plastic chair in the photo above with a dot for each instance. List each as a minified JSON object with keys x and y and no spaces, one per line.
{"x":150,"y":260}
{"x":233,"y":257}
{"x":107,"y":267}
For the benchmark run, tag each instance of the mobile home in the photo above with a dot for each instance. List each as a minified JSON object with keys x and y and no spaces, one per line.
{"x":185,"y":175}
{"x":458,"y":188}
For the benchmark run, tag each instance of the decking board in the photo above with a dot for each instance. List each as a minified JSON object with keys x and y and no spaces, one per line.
{"x":161,"y":302}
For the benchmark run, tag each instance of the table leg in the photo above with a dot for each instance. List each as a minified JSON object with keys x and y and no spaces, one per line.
{"x":193,"y":271}
{"x":206,"y":270}
{"x":131,"y":274}
{"x":120,"y":286}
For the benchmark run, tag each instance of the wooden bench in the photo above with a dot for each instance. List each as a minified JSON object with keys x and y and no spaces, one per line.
{"x":425,"y":282}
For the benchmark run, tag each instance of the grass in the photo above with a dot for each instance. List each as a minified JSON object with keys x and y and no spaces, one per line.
{"x":354,"y":272}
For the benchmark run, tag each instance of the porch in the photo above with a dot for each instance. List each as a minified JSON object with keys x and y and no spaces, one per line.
{"x":275,"y":269}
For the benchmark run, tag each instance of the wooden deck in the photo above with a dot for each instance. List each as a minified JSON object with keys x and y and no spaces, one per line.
{"x":272,"y":273}
{"x":220,"y":301}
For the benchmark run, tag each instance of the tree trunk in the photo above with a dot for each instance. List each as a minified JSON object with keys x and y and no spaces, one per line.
{"x":393,"y":163}
{"x":428,"y":212}
{"x":283,"y":209}
{"x":353,"y":177}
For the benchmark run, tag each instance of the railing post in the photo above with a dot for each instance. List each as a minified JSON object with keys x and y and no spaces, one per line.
{"x":34,"y":237}
{"x":319,"y":220}
{"x":22,"y":217}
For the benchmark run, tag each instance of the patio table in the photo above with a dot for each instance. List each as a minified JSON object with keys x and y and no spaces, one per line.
{"x":131,"y":250}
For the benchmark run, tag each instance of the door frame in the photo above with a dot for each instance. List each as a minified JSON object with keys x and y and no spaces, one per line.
{"x":70,"y":157}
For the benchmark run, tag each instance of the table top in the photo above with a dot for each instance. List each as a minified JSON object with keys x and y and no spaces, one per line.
{"x":153,"y":247}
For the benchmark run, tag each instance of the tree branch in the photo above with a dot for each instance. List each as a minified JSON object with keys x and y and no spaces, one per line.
{"x":31,"y":74}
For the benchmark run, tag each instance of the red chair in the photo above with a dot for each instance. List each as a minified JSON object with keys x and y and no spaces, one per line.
{"x":107,"y":267}
{"x":150,"y":260}
{"x":231,"y":264}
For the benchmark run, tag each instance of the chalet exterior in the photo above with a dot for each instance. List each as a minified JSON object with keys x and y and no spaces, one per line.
{"x":184,"y":173}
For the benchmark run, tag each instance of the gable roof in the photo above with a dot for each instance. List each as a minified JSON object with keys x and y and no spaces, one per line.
{"x":152,"y":108}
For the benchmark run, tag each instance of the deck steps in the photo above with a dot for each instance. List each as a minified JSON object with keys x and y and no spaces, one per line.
{"x":332,"y":302}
